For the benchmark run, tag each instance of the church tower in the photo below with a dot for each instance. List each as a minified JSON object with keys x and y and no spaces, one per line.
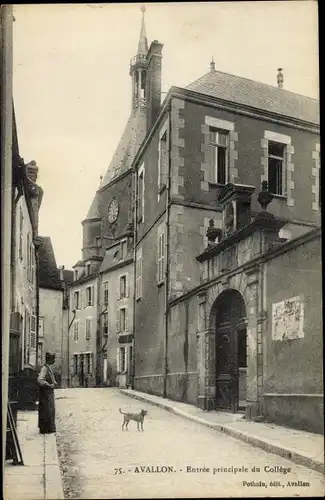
{"x":138,"y":69}
{"x":110,"y":213}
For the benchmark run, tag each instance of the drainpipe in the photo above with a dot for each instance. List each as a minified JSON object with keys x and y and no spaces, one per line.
{"x":134,"y":173}
{"x":37,"y":244}
{"x":69,"y":326}
{"x":167,"y":253}
{"x":98,"y":350}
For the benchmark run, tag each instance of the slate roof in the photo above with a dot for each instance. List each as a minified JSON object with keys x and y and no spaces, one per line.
{"x":112,"y":258}
{"x":93,"y":212}
{"x":49,"y":274}
{"x":68,"y":276}
{"x":131,"y":139}
{"x":80,"y":263}
{"x":258,"y":95}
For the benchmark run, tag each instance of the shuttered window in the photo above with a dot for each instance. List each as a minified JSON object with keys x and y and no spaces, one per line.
{"x":105,"y":292}
{"x":138,"y":283}
{"x":122,"y":319}
{"x":124,"y":287}
{"x":89,"y":296}
{"x":161,"y":257}
{"x":76,"y":331}
{"x":33,"y":331}
{"x":41,"y":327}
{"x":88,"y":328}
{"x":21,"y":230}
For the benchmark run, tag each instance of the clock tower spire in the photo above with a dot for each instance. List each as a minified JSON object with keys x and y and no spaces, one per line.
{"x":138,"y":68}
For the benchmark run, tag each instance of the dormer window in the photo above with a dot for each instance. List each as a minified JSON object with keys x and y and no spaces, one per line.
{"x":76,"y":274}
{"x":88,"y":269}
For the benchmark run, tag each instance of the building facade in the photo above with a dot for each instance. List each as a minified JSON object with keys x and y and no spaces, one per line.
{"x":83,"y":326}
{"x":53,"y":309}
{"x":116,"y":313}
{"x":25,"y":288}
{"x":191,"y":181}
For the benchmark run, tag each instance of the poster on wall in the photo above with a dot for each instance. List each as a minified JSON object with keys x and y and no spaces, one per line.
{"x":288,"y":319}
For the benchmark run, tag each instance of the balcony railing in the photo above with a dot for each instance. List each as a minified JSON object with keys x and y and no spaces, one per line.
{"x":138,"y":59}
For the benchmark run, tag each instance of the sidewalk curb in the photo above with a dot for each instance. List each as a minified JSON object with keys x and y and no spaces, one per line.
{"x":269,"y":446}
{"x":52,"y":472}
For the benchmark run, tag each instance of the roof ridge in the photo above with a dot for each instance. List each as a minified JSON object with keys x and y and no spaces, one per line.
{"x":254,"y":81}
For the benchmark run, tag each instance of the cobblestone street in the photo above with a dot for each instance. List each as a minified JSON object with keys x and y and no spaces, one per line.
{"x":99,"y":460}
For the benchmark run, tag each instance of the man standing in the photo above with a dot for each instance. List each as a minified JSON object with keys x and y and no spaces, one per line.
{"x":46,"y":408}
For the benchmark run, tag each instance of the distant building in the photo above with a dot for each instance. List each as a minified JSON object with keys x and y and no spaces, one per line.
{"x":53,"y":319}
{"x":83,"y":333}
{"x":116,"y":313}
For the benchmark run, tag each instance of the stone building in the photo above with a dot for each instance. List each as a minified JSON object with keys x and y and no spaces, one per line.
{"x":83,"y":325}
{"x":116,"y":302}
{"x":108,"y":226}
{"x":25,"y":290}
{"x":53,"y":318}
{"x":200,"y":170}
{"x":190,"y":183}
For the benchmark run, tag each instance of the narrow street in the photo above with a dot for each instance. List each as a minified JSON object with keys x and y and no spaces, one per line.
{"x":173,"y":457}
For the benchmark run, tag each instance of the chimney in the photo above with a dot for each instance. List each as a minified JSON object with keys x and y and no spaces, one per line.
{"x":61,"y":269}
{"x":212,"y":65}
{"x":280,"y":78}
{"x":153,"y":90}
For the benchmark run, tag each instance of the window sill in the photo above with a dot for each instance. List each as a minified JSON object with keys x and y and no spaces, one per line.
{"x":279,"y":196}
{"x":216,"y":184}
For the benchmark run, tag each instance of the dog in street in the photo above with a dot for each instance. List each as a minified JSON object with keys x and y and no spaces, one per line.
{"x":137,"y":417}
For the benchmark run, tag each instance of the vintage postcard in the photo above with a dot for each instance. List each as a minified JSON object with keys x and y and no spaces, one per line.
{"x":161,"y":228}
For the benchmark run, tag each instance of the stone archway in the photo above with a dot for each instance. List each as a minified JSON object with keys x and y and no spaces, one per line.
{"x":228,"y":327}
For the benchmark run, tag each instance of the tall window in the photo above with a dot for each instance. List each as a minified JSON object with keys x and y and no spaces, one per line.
{"x":123,"y":287}
{"x":161,"y":258}
{"x":138,"y":282}
{"x":122,"y":359}
{"x":75,"y":364}
{"x":105,"y":324}
{"x":88,"y":269}
{"x":76,"y":300}
{"x":33,"y":331}
{"x":218,"y":145}
{"x":276,"y":168}
{"x":32,"y":264}
{"x":141,"y":194}
{"x":122,"y":319}
{"x":89,"y":363}
{"x":21,"y":230}
{"x":76,"y":331}
{"x":162,"y":162}
{"x":41,"y":327}
{"x":76,"y":274}
{"x":89,"y":296}
{"x":105,"y":292}
{"x":88,"y":328}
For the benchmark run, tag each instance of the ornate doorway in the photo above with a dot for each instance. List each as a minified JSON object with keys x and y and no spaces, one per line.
{"x":231,"y":346}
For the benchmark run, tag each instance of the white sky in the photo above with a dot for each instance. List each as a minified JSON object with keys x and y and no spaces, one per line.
{"x":72,"y":89}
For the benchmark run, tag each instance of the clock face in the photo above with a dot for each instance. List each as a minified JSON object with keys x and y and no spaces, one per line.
{"x":113,"y":210}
